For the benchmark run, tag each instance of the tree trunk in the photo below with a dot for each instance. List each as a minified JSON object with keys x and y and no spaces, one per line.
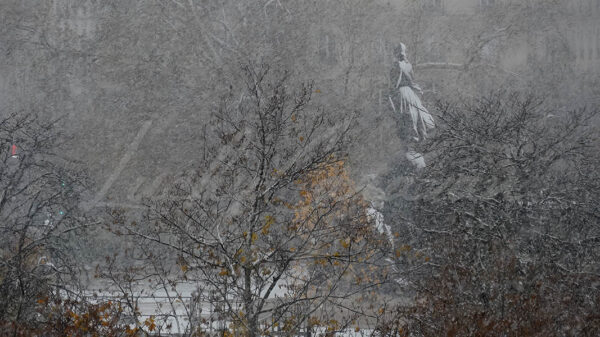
{"x":252,"y":321}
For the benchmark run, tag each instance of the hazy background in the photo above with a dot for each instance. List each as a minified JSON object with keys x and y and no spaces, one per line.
{"x":133,"y":81}
{"x":503,"y":216}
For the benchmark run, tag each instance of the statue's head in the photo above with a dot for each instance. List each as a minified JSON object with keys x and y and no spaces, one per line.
{"x":400,"y":52}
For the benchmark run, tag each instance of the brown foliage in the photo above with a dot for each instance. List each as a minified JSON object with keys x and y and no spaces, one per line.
{"x":73,"y":319}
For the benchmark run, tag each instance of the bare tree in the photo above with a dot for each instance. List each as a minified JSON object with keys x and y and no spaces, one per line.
{"x":39,"y":219}
{"x":269,"y":222}
{"x":506,"y":223}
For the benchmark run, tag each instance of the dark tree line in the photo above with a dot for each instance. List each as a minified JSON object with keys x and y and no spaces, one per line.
{"x":39,"y":220}
{"x":506,"y":215}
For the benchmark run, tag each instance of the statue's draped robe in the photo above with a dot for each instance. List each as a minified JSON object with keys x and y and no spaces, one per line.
{"x":405,"y":100}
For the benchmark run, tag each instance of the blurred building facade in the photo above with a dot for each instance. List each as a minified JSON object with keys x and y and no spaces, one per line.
{"x":577,"y":23}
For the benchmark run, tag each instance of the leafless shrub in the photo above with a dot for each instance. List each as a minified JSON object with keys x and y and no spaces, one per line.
{"x":507,"y":218}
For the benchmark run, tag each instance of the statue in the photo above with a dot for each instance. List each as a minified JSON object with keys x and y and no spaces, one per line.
{"x":404,"y":100}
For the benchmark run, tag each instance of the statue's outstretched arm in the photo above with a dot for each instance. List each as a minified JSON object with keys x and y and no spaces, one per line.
{"x":417,"y":88}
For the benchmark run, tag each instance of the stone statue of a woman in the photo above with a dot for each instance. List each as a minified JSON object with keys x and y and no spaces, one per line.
{"x":404,"y":100}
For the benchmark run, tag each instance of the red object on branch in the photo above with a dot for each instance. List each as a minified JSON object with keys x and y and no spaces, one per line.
{"x":14,"y":150}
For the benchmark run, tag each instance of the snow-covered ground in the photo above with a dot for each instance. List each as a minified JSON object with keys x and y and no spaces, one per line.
{"x":172,"y":312}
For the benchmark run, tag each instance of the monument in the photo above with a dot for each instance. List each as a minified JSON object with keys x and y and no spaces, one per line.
{"x":404,"y":100}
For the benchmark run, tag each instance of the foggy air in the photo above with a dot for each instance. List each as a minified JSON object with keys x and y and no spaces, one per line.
{"x":299,"y":168}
